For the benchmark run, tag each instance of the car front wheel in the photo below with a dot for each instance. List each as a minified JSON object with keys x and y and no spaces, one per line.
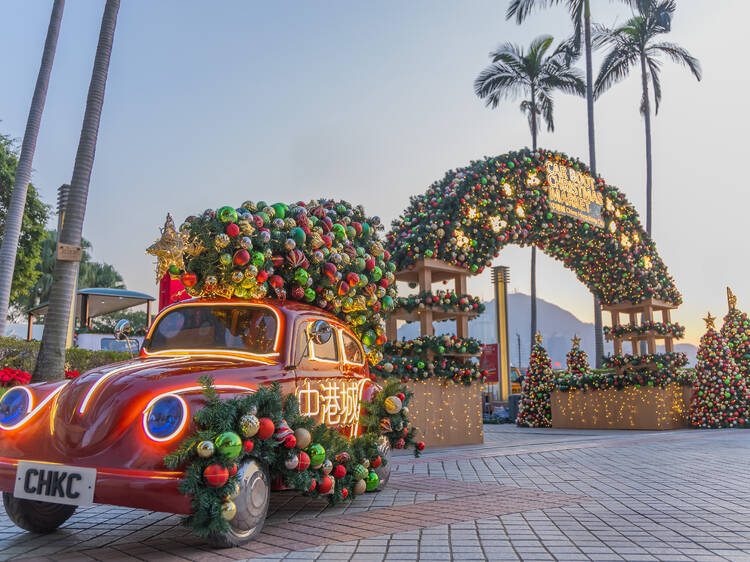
{"x":34,"y":516}
{"x":252,"y":507}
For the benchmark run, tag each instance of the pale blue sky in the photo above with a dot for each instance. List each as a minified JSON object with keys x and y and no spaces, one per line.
{"x":212,"y":103}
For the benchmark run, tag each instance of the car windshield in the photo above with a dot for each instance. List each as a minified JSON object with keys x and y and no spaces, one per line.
{"x":243,"y":328}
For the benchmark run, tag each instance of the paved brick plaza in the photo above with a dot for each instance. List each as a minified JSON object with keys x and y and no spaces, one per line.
{"x":524,"y":494}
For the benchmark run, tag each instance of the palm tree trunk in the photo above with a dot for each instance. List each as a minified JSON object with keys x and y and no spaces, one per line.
{"x":598,"y":336}
{"x":533,"y":248}
{"x":51,"y":360}
{"x":14,"y":216}
{"x":647,"y":118}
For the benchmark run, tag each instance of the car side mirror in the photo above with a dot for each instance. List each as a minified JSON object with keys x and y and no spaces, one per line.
{"x":320,"y":332}
{"x":122,"y":331}
{"x":123,"y":328}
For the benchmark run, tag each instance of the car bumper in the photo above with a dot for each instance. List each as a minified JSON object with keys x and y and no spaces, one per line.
{"x":140,"y":489}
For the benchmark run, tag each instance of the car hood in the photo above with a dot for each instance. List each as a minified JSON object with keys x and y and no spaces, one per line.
{"x":95,"y":408}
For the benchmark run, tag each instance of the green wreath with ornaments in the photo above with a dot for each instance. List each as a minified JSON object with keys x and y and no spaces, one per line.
{"x":315,"y":460}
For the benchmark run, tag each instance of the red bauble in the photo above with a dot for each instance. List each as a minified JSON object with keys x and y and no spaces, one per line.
{"x":344,"y":493}
{"x":312,"y":486}
{"x":325,"y":485}
{"x":420,"y":445}
{"x":241,"y":257}
{"x":248,"y":445}
{"x":339,"y":471}
{"x":276,"y":281}
{"x":376,"y":462}
{"x":401,"y":396}
{"x":400,"y":444}
{"x":189,"y":279}
{"x":262,"y":276}
{"x":232,"y":230}
{"x":232,"y":470}
{"x":298,"y":293}
{"x":290,"y":441}
{"x":266,"y":428}
{"x":303,"y":461}
{"x":216,"y":475}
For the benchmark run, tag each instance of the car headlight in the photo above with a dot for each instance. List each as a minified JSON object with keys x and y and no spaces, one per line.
{"x":164,"y":417}
{"x":14,"y":405}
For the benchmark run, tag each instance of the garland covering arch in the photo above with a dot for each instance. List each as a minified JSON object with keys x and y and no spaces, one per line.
{"x":541,"y":198}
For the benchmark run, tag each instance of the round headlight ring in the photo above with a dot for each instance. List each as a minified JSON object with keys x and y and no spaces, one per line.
{"x":15,"y":405}
{"x":165,"y":417}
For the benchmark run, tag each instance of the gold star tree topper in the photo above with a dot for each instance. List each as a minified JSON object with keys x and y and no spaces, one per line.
{"x":709,"y":320}
{"x":168,"y":249}
{"x":576,"y":341}
{"x":538,"y":338}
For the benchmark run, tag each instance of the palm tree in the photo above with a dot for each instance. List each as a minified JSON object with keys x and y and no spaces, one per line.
{"x":51,"y":359}
{"x":636,"y":42}
{"x":535,"y":75}
{"x":14,"y":217}
{"x":580,"y":14}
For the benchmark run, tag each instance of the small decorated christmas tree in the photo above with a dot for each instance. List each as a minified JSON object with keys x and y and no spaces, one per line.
{"x":720,"y":393}
{"x":578,"y":361}
{"x":736,"y":332}
{"x":534,"y":408}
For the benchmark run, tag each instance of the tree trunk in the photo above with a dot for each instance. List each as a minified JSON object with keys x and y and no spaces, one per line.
{"x":598,"y":335}
{"x":533,"y":248}
{"x":51,"y":360}
{"x":647,"y":118}
{"x":14,"y":216}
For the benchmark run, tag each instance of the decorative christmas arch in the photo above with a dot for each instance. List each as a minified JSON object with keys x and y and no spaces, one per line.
{"x":543,"y":198}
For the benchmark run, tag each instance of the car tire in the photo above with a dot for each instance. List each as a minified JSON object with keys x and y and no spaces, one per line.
{"x":34,"y":516}
{"x":252,"y":507}
{"x":384,"y":470}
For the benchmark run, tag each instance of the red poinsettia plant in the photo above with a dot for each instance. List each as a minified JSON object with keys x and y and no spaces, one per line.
{"x":71,"y":374}
{"x":13,"y":377}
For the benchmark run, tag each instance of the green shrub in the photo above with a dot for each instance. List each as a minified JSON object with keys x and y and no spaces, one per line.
{"x":21,"y":354}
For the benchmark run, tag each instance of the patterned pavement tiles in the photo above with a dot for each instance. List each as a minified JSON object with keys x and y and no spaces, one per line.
{"x":524,"y":494}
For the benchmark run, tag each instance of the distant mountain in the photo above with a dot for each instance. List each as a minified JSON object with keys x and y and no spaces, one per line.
{"x":557,"y":325}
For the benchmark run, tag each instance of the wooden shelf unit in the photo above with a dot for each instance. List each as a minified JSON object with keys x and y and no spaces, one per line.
{"x":426,"y":272}
{"x":646,"y":310}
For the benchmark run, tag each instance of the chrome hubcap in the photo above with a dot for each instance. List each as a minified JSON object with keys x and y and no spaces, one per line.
{"x":252,"y":501}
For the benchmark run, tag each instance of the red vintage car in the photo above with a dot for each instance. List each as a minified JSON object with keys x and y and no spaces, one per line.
{"x":102,"y":437}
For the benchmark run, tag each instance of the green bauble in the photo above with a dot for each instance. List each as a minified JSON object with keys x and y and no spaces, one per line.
{"x":301,"y":276}
{"x":359,"y":472}
{"x":258,"y":259}
{"x":280,"y":209}
{"x":317,"y":455}
{"x":225,"y":259}
{"x":227,"y":214}
{"x":229,"y":444}
{"x":372,"y":481}
{"x":298,"y":235}
{"x":339,"y":231}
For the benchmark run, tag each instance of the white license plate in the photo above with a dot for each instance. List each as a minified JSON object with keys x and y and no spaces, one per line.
{"x":55,"y":483}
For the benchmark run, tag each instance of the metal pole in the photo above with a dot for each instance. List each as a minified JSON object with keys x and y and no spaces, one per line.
{"x":500,"y":278}
{"x":518,"y":337}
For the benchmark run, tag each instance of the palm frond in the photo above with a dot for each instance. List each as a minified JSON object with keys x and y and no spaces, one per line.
{"x":497,"y":82}
{"x":547,"y":108}
{"x":654,"y":67}
{"x":566,"y":79}
{"x":615,"y":67}
{"x":679,"y":55}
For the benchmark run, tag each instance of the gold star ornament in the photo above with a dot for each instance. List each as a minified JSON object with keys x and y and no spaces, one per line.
{"x":709,"y":320}
{"x":168,"y":249}
{"x":576,"y":341}
{"x":538,"y":338}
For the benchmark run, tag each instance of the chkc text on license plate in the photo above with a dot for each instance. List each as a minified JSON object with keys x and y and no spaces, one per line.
{"x":55,"y":483}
